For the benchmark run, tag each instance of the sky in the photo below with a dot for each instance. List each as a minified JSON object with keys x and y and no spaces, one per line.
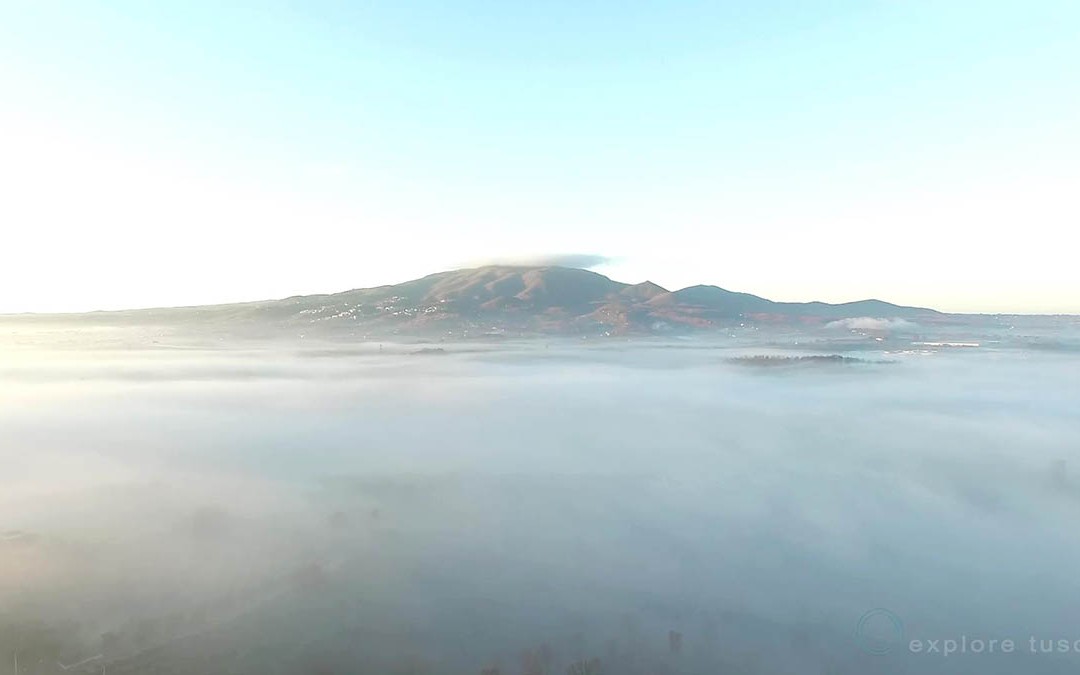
{"x":176,"y":153}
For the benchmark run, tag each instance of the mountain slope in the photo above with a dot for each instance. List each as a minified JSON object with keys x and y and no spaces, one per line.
{"x":516,"y":300}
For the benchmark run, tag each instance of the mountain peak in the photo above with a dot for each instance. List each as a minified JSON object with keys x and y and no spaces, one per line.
{"x":644,"y":291}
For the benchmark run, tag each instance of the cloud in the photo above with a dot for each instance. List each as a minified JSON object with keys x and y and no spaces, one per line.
{"x":580,"y":260}
{"x":870,"y":323}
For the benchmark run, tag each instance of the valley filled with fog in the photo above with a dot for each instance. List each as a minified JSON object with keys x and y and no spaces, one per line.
{"x":709,"y":504}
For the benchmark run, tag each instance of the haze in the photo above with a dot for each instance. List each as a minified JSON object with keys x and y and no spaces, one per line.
{"x":555,"y":338}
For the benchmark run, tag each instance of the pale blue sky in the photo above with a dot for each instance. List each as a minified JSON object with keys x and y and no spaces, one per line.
{"x":159,"y":153}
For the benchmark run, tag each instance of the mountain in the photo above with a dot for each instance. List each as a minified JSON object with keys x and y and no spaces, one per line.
{"x":500,"y":299}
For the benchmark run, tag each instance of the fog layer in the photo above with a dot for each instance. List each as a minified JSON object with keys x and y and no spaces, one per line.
{"x":679,"y":506}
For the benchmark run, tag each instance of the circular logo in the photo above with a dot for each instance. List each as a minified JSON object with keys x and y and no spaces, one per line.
{"x":879,"y":631}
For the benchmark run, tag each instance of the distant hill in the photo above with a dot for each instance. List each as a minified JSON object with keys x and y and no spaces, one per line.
{"x":500,"y":299}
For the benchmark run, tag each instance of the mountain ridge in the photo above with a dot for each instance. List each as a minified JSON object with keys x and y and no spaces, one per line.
{"x":519,"y":299}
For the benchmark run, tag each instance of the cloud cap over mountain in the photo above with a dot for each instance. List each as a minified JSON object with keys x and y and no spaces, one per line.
{"x":585,"y":261}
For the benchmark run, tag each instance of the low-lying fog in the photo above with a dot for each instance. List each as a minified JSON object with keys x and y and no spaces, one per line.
{"x":664,"y":507}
